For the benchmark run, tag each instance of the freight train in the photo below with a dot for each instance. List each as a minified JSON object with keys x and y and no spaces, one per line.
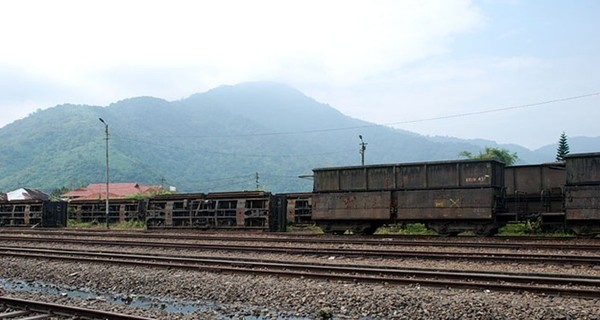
{"x":450,"y":197}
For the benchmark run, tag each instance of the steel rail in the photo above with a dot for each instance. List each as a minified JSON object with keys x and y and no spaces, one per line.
{"x":421,"y":254}
{"x":496,"y":281}
{"x":67,"y":312}
{"x":376,"y":240}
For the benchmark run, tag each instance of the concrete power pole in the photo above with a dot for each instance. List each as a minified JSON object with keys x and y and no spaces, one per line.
{"x":107,"y":179}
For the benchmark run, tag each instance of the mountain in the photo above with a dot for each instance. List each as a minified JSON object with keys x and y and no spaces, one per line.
{"x":229,"y":138}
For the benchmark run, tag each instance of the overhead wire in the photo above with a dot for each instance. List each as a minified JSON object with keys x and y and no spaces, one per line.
{"x":231,"y":153}
{"x":458,"y":115}
{"x":246,"y":179}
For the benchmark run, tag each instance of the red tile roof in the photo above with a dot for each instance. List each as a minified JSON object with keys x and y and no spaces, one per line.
{"x":116,"y":191}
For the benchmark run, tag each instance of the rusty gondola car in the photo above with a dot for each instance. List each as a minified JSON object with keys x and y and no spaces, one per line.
{"x":448,"y":196}
{"x":457,"y":196}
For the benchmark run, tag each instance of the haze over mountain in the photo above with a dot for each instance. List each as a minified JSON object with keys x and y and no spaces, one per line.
{"x":219,"y":140}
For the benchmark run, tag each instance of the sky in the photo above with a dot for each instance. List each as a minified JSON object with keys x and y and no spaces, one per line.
{"x":505,"y":70}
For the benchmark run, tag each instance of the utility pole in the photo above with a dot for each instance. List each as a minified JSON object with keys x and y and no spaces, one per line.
{"x":257,"y":184}
{"x":363,"y":147}
{"x":107,"y":179}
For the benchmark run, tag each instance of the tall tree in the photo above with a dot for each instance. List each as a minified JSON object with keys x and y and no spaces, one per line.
{"x":563,"y":147}
{"x":493,"y":153}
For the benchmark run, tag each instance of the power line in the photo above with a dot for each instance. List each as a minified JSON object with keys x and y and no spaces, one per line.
{"x":337,"y":129}
{"x":458,"y":115}
{"x":230,"y":153}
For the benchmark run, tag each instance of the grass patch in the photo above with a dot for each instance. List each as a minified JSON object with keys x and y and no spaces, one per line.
{"x":307,"y":229}
{"x":531,"y":228}
{"x":406,"y":229}
{"x":127,"y":225}
{"x":72,"y":223}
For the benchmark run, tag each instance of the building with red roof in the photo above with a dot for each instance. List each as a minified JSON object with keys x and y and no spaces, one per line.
{"x":120,"y":190}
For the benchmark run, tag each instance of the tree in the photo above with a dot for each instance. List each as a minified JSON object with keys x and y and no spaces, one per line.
{"x":503,"y":155}
{"x":56,"y":193}
{"x":563,"y":147}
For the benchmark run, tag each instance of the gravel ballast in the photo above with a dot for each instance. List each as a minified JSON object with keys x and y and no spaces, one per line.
{"x":233,"y":296}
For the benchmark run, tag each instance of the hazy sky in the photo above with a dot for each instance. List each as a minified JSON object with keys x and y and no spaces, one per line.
{"x":389,"y":62}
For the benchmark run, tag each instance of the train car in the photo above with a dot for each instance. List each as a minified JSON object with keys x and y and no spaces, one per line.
{"x":535,"y":192}
{"x":257,"y":210}
{"x":168,"y":211}
{"x":299,"y":208}
{"x":582,"y":193}
{"x":448,"y":196}
{"x":119,"y":210}
{"x":31,"y":213}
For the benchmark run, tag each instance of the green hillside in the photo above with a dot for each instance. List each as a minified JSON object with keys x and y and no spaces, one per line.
{"x":213,"y":141}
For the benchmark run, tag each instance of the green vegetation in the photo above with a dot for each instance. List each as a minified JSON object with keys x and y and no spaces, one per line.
{"x":313,"y":229}
{"x":127,"y":225}
{"x":563,"y":147}
{"x":531,"y":228}
{"x":72,"y":223}
{"x":406,"y":229}
{"x":503,"y":155}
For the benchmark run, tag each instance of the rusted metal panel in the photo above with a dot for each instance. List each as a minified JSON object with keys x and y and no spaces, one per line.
{"x":487,"y":173}
{"x":442,"y":175}
{"x":423,"y":175}
{"x":352,"y":206}
{"x":381,"y":178}
{"x":412,"y":176}
{"x":535,"y":179}
{"x":523,"y":179}
{"x":299,"y":208}
{"x":119,"y":210}
{"x":33,"y":212}
{"x":554,"y":177}
{"x":353,"y":179}
{"x":582,"y":202}
{"x":450,"y":174}
{"x":446,"y":204}
{"x":326,"y":180}
{"x":583,"y":168}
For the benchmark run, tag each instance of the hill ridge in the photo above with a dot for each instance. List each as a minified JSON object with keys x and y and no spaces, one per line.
{"x":212,"y":141}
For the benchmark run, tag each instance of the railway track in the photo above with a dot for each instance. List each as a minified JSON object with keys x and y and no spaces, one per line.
{"x":583,"y":286}
{"x":13,"y":308}
{"x":373,"y":253}
{"x":499,"y":242}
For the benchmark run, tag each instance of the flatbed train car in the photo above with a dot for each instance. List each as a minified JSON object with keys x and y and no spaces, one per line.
{"x":32,"y":213}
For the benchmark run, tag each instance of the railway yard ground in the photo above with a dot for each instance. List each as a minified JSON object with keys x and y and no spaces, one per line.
{"x":212,"y":275}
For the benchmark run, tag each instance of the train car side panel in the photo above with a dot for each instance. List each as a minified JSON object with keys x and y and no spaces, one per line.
{"x":446,"y":204}
{"x":381,"y":178}
{"x":326,"y":180}
{"x":583,"y":169}
{"x":582,"y":202}
{"x":441,"y":175}
{"x":485,"y":173}
{"x":352,"y":206}
{"x":411,"y":177}
{"x":353,"y":179}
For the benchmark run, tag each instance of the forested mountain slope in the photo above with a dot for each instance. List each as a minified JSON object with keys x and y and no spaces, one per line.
{"x":213,"y":141}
